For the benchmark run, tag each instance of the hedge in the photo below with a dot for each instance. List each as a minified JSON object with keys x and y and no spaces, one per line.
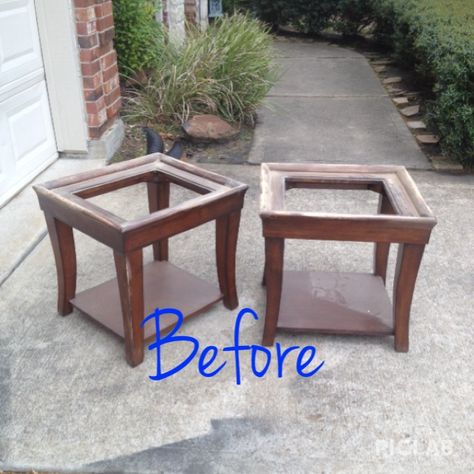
{"x":309,"y":16}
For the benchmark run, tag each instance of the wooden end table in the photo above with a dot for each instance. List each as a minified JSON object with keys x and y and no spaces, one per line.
{"x":343,"y":303}
{"x":139,"y":289}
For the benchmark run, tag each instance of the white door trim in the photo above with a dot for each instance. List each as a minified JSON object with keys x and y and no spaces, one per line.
{"x":57,"y":31}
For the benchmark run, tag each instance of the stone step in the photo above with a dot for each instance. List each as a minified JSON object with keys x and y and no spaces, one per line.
{"x":392,"y":80}
{"x":416,"y":125}
{"x":410,"y":111}
{"x":446,"y":165}
{"x":428,"y":139}
{"x":400,"y":101}
{"x":382,"y":62}
{"x":395,"y":91}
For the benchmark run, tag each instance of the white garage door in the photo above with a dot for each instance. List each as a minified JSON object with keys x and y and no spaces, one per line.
{"x":27,"y":143}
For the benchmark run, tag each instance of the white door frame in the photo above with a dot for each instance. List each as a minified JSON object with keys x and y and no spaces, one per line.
{"x":57,"y":32}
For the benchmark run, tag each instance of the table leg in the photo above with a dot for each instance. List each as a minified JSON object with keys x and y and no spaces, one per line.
{"x":129,"y":267}
{"x":382,"y":249}
{"x":159,"y":198}
{"x":408,"y":263}
{"x":227,"y":230}
{"x":274,"y":251}
{"x":62,"y":240}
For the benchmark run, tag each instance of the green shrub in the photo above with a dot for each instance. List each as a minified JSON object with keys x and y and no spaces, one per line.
{"x":236,"y":6}
{"x":436,"y":37}
{"x":312,"y":16}
{"x":225,"y":70}
{"x":308,"y":16}
{"x":353,"y":16}
{"x":138,"y":36}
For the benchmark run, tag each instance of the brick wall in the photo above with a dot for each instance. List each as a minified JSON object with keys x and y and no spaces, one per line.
{"x":95,"y":32}
{"x":190,"y":11}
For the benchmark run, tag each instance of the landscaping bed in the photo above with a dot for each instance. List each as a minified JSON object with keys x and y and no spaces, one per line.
{"x":235,"y":151}
{"x":223,"y":72}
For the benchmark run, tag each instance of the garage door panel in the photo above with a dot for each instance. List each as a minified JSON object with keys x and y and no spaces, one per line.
{"x":20,"y":52}
{"x":29,"y":111}
{"x":26,"y":135}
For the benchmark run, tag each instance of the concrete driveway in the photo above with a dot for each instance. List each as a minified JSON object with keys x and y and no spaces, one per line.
{"x":70,"y":402}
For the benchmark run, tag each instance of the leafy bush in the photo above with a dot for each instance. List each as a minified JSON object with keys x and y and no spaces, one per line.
{"x":308,"y":16}
{"x":437,"y":38}
{"x":225,"y":70}
{"x":138,"y":37}
{"x":312,"y":16}
{"x":235,"y":6}
{"x":353,"y":15}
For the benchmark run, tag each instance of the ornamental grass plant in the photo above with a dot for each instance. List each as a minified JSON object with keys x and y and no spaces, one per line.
{"x":226,"y":70}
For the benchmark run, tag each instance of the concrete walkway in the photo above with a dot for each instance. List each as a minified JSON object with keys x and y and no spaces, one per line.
{"x":330,"y":107}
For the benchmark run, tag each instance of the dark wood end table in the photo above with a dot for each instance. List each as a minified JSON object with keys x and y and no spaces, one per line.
{"x":343,"y":303}
{"x":139,"y":289}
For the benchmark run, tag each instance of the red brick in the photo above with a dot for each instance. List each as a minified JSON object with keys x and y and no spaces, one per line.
{"x":96,"y":106}
{"x":92,"y":95}
{"x":86,"y":28}
{"x":83,"y":3}
{"x":109,"y":73}
{"x":103,"y":9}
{"x":89,"y":69}
{"x":105,"y":49}
{"x":106,"y":36}
{"x":97,"y":132}
{"x":88,"y":55}
{"x":112,"y":97}
{"x":190,"y":10}
{"x":92,"y":82}
{"x":113,"y":110}
{"x":105,"y":23}
{"x":110,"y":85}
{"x":85,"y":14}
{"x":98,"y":119}
{"x":88,"y":42}
{"x":108,"y":60}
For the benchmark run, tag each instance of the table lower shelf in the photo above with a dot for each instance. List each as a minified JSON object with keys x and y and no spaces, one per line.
{"x":335,"y":303}
{"x":164,"y":286}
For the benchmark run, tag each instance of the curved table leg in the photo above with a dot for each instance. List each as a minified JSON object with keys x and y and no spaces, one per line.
{"x":62,"y":240}
{"x":227,"y":229}
{"x":274,"y":251}
{"x":129,"y":268}
{"x":408,"y":263}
